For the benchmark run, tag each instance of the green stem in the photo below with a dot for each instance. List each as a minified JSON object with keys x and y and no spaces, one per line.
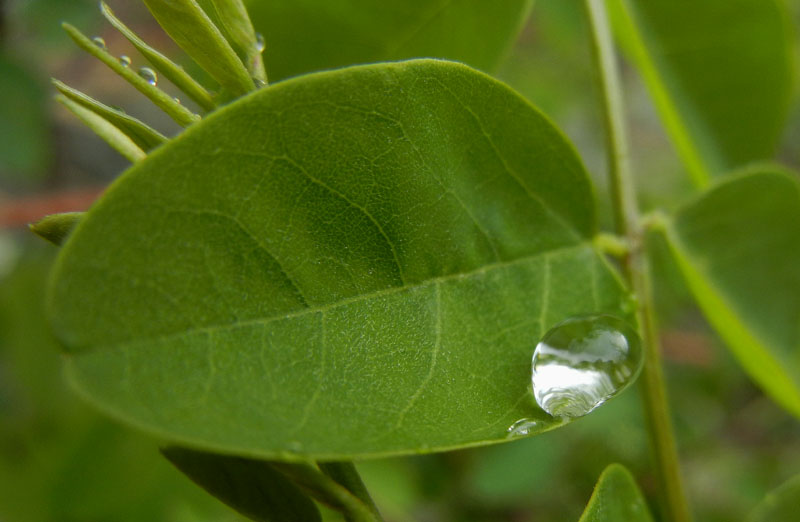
{"x":627,"y":222}
{"x":326,"y":490}
{"x":346,"y":474}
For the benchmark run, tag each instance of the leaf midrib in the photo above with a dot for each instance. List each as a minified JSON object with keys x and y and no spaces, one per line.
{"x":355,"y":299}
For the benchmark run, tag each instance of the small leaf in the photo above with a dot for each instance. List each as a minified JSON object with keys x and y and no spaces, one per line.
{"x":190,"y":27}
{"x":311,"y":35}
{"x":164,"y":65}
{"x":118,"y":140}
{"x":252,"y":487}
{"x":144,"y":136}
{"x":780,"y":505}
{"x":616,"y":498}
{"x":173,"y":109}
{"x":738,"y":246}
{"x":397,"y":236}
{"x":232,"y":19}
{"x":735,"y":115}
{"x":57,"y":227}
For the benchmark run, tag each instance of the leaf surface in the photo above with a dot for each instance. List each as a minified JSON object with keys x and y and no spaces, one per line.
{"x":735,"y":115}
{"x":780,"y":505}
{"x":738,"y":246}
{"x":311,"y":35}
{"x":352,"y":263}
{"x":616,"y":498}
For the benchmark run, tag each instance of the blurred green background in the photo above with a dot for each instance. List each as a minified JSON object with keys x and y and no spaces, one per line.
{"x":60,"y":461}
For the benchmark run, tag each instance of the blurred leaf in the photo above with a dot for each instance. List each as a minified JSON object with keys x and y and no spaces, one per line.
{"x":616,"y":498}
{"x":311,"y":35}
{"x":738,"y":246}
{"x":397,"y":238}
{"x":780,"y":505}
{"x":719,"y":71}
{"x":58,"y":459}
{"x":25,"y":153}
{"x":252,"y":487}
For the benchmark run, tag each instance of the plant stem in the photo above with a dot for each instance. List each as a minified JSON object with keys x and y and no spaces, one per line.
{"x":346,"y":474}
{"x":326,"y":490}
{"x":627,"y":223}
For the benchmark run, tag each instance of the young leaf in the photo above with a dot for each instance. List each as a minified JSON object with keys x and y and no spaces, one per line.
{"x":616,"y":498}
{"x":735,"y":115}
{"x":252,"y":487}
{"x":189,"y":26}
{"x":780,"y":505}
{"x":118,"y":140}
{"x":174,"y":110}
{"x":738,"y":246}
{"x":231,"y":17}
{"x":57,"y":227}
{"x":144,"y":136}
{"x":350,"y":263}
{"x":163,"y":65}
{"x":311,"y":35}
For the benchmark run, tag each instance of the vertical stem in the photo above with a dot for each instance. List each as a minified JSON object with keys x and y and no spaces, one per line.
{"x":346,"y":474}
{"x":627,"y":223}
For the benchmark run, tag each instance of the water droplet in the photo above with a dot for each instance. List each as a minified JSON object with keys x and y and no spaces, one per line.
{"x":582,"y":362}
{"x":260,"y":45}
{"x":99,"y":42}
{"x":176,"y":100}
{"x":125,"y":60}
{"x":149,"y":74}
{"x":521,"y":428}
{"x":259,"y":83}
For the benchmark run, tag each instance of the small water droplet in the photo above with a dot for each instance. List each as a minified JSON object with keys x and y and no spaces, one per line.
{"x":99,"y":42}
{"x":521,"y":428}
{"x":260,"y":45}
{"x":582,"y":362}
{"x":149,"y":74}
{"x":125,"y":60}
{"x":177,"y":100}
{"x":259,"y":83}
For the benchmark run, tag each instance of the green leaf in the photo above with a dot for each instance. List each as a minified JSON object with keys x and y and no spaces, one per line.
{"x":57,"y":227}
{"x":738,"y":246}
{"x":252,"y":487}
{"x":311,"y":35}
{"x":735,"y":115}
{"x":112,"y":135}
{"x":780,"y":505}
{"x":232,"y":19}
{"x":144,"y":136}
{"x":163,"y":65}
{"x":616,"y":498}
{"x":162,"y":100}
{"x":190,"y":27}
{"x":351,"y":263}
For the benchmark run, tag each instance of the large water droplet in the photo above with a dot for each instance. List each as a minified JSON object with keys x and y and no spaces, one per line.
{"x":125,"y":60}
{"x":582,"y":362}
{"x":99,"y":42}
{"x":260,"y":45}
{"x":149,"y":74}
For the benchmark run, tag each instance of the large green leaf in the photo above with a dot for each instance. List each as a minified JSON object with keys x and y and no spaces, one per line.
{"x":720,"y":74}
{"x":780,"y":505}
{"x":310,"y":35}
{"x":351,"y":263}
{"x":616,"y":498}
{"x":738,"y":246}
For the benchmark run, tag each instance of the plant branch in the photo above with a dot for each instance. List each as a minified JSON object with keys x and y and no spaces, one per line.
{"x":326,"y":490}
{"x":627,"y":223}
